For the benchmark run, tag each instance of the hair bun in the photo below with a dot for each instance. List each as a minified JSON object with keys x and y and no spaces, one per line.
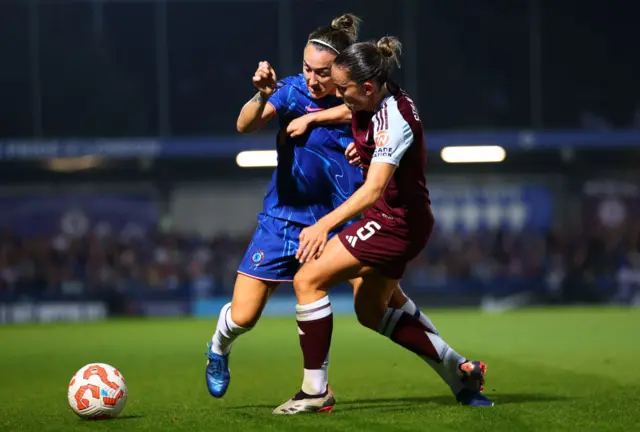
{"x":348,"y":23}
{"x":391,"y":48}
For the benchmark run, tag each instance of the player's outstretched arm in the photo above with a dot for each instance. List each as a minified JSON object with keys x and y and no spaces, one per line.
{"x":336,"y":115}
{"x":256,"y":113}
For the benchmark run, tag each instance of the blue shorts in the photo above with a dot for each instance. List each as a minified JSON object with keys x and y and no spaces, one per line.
{"x":271,"y":255}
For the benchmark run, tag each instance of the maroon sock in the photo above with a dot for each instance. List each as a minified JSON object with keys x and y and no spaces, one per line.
{"x":409,"y":332}
{"x":315,"y":326}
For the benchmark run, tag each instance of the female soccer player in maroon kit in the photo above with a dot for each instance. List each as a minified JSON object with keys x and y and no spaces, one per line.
{"x":396,"y":224}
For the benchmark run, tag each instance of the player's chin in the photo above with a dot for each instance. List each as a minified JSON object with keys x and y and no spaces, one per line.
{"x":317,"y":93}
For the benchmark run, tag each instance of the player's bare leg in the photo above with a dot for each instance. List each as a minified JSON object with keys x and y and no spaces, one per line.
{"x":250,"y":296}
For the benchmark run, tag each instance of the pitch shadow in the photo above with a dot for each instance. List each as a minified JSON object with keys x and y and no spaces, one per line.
{"x":404,"y":402}
{"x":498,"y":398}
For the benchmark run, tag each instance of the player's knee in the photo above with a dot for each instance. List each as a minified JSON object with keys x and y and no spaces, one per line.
{"x":398,"y":299}
{"x":305,"y":282}
{"x":246,"y":318}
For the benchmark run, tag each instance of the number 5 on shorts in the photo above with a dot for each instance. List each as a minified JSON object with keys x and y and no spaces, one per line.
{"x":368,"y":230}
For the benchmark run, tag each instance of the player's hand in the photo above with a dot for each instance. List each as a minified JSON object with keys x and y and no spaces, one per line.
{"x":264,"y":79}
{"x":313,"y":239}
{"x":299,"y":126}
{"x":352,"y":155}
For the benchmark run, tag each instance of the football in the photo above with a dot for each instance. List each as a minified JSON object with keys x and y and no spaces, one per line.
{"x":97,"y":391}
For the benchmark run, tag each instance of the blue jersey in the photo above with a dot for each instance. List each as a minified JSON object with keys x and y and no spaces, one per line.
{"x":313,"y":176}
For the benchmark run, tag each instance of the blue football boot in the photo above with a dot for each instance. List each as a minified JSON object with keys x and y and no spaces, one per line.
{"x":217,"y":373}
{"x":473,"y":380}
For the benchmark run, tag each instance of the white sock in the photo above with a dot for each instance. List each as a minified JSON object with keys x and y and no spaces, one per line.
{"x":411,"y":308}
{"x":448,"y":369}
{"x":453,"y":381}
{"x":226,"y":332}
{"x":315,"y":381}
{"x":449,"y":357}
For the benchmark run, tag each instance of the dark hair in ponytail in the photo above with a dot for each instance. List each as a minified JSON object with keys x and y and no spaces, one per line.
{"x":371,"y":61}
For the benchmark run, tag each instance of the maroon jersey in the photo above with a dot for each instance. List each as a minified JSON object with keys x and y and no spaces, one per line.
{"x":394,"y":135}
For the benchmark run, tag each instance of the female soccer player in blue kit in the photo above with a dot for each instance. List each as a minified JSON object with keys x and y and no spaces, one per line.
{"x":313,"y":177}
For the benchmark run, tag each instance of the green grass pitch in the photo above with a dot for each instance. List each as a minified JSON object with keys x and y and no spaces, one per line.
{"x":548,"y":370}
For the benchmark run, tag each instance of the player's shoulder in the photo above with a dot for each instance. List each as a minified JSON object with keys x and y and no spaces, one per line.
{"x":390,"y":115}
{"x":295,"y":82}
{"x":290,"y":95}
{"x":400,"y":111}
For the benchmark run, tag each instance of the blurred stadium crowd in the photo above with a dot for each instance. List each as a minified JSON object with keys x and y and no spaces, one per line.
{"x":562,"y":266}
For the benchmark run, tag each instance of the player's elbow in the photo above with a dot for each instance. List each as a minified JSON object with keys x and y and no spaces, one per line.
{"x":375,"y":192}
{"x":372,"y":193}
{"x":242,"y":126}
{"x":245,"y":122}
{"x":346,"y":114}
{"x":246,"y":127}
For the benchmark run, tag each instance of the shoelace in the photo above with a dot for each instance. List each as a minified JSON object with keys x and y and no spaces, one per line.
{"x":217,"y":366}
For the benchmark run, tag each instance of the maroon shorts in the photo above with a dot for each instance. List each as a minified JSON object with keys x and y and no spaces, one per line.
{"x":385,"y":247}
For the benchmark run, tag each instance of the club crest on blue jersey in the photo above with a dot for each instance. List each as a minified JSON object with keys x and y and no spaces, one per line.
{"x":257,"y":257}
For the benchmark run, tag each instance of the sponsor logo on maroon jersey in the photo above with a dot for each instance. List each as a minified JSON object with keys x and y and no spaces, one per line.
{"x":382,"y":152}
{"x":382,"y":138}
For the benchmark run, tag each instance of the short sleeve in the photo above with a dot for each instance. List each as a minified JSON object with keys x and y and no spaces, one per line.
{"x":392,"y":136}
{"x":280,"y":98}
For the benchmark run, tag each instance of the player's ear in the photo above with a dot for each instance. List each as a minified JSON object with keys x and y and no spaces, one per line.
{"x":368,"y":88}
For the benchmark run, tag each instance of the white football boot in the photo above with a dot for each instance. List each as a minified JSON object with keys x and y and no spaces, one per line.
{"x":304,"y":403}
